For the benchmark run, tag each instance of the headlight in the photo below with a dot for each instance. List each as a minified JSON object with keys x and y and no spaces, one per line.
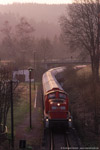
{"x":63,"y":107}
{"x":47,"y":119}
{"x":58,"y":104}
{"x":54,"y":107}
{"x":70,"y":119}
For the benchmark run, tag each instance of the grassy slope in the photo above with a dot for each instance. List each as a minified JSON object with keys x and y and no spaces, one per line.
{"x":21,"y":107}
{"x":82,"y":95}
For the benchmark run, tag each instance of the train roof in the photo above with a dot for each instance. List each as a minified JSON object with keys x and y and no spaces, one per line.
{"x":49,"y":81}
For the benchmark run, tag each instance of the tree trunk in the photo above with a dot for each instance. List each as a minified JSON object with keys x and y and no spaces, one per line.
{"x":95,"y":74}
{"x":95,"y":67}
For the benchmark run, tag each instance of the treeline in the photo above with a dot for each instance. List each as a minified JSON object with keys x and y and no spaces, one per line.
{"x":43,"y":17}
{"x":18,"y":44}
{"x":39,"y":12}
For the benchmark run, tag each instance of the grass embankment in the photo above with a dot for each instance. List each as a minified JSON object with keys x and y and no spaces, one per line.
{"x":84,"y":96}
{"x":21,"y":104}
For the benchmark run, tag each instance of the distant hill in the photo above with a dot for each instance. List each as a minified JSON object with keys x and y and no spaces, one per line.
{"x":45,"y":18}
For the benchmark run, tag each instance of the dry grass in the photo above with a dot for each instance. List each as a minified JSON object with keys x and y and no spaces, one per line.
{"x":21,"y":106}
{"x":84,"y":99}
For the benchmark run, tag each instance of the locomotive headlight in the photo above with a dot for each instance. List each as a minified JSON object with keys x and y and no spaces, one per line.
{"x":47,"y":119}
{"x":63,"y":107}
{"x":70,"y":119}
{"x":58,"y":104}
{"x":51,"y":103}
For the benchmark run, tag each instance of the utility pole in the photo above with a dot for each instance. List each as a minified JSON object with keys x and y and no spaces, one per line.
{"x":12,"y":115}
{"x":34,"y":69}
{"x":30,"y":112}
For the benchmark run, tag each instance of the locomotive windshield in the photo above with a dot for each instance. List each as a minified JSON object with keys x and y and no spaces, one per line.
{"x":62,"y":96}
{"x":52,"y":96}
{"x":58,"y":101}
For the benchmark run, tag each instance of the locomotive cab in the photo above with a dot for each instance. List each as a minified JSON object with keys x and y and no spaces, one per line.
{"x":56,"y":106}
{"x":57,"y":109}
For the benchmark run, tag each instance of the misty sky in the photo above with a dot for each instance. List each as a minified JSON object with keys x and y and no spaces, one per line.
{"x":36,"y":1}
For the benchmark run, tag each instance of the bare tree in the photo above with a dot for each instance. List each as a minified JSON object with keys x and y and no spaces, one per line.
{"x":7,"y":43}
{"x":5,"y":96}
{"x":45,"y":49}
{"x":25,"y":39}
{"x":81,"y":28}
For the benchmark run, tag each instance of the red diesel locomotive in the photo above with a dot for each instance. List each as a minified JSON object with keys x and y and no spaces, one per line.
{"x":55,"y":99}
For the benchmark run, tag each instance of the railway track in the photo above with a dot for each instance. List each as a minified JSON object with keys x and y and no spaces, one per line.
{"x":60,"y":140}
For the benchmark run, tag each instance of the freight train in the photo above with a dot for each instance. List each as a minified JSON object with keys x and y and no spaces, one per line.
{"x":55,"y":100}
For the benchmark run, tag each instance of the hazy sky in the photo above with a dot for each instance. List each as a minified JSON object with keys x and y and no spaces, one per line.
{"x":36,"y":1}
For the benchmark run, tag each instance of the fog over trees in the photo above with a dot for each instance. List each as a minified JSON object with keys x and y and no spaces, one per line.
{"x":44,"y":17}
{"x":25,"y":27}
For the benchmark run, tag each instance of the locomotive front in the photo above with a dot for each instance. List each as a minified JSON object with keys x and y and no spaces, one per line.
{"x":57,"y":107}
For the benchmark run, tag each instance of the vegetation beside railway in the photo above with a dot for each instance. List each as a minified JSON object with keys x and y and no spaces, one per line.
{"x":84,"y":104}
{"x":21,"y":106}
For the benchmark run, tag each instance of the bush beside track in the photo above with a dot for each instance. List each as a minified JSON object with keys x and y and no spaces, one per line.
{"x":84,"y":96}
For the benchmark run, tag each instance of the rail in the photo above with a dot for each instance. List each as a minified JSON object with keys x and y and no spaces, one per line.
{"x":62,"y":139}
{"x":58,"y":140}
